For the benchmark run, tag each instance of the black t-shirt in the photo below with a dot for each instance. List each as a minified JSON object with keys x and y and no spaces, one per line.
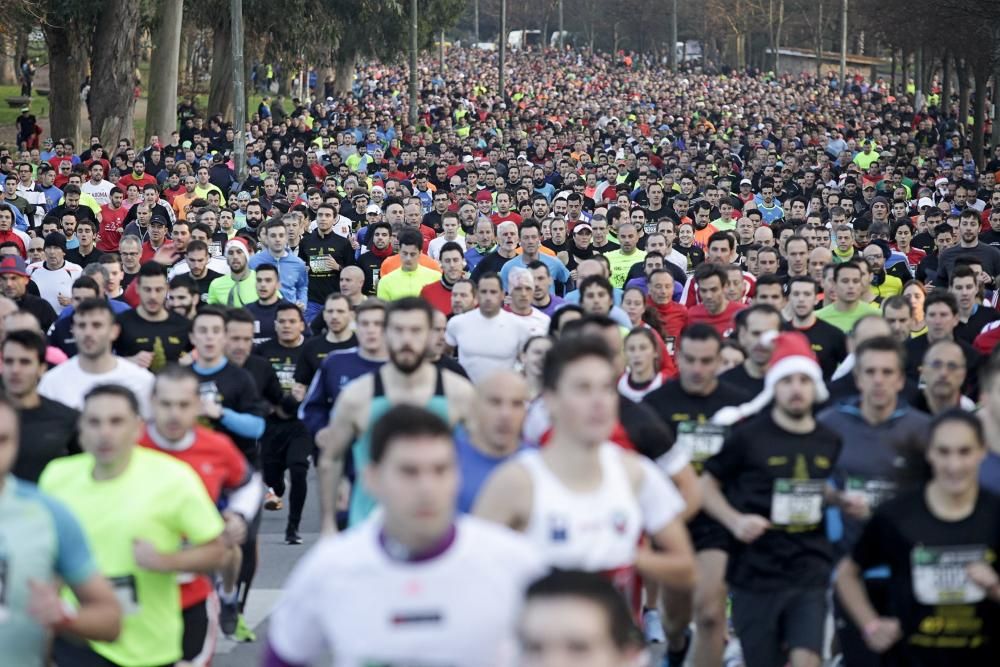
{"x":944,"y":623}
{"x":263,"y":320}
{"x":204,"y":282}
{"x":40,"y":308}
{"x":650,"y":435}
{"x":233,"y":388}
{"x":167,"y":340}
{"x":323,"y":282}
{"x":264,"y":378}
{"x":694,"y":254}
{"x":282,"y":359}
{"x":967,"y":331}
{"x":47,"y":432}
{"x":828,"y":343}
{"x":73,"y":255}
{"x":765,"y":470}
{"x":314,"y":351}
{"x":738,"y":377}
{"x":688,"y":416}
{"x":492,"y":263}
{"x":371,"y":265}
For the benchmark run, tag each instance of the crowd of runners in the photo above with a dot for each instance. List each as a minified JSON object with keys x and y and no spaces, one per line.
{"x":621,"y":363}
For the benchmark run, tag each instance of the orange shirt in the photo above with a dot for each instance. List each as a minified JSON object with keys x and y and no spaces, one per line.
{"x":393,"y":262}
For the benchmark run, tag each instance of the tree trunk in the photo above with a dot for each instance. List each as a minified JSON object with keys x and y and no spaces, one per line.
{"x":67,"y":66}
{"x":963,"y":95}
{"x":115,"y":58}
{"x":946,"y":84}
{"x":161,"y":116}
{"x":905,"y":61}
{"x":8,"y":60}
{"x":981,"y":75}
{"x":220,"y":89}
{"x":344,"y":75}
{"x":995,"y":125}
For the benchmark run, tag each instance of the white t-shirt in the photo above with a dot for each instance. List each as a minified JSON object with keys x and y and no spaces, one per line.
{"x":217,"y":264}
{"x":342,"y":226}
{"x":100,"y":192}
{"x":486,"y":344}
{"x":434,"y":248}
{"x":537,"y":322}
{"x":53,"y":283}
{"x":68,"y":383}
{"x":347,"y":597}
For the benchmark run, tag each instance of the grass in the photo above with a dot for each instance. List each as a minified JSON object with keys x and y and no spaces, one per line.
{"x":39,"y":105}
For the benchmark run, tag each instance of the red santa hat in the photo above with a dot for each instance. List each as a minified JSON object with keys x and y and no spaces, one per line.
{"x":792,"y":354}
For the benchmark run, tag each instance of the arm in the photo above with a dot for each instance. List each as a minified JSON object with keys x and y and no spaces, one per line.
{"x":314,"y":411}
{"x":97,"y":617}
{"x":204,"y":558}
{"x":673,"y":564}
{"x":879,"y":633}
{"x":333,"y":442}
{"x":243,"y":424}
{"x":302,"y":285}
{"x":745,"y":527}
{"x":506,"y":497}
{"x":689,"y":487}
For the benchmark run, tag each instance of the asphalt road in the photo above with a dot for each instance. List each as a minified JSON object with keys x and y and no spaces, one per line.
{"x":276,"y":562}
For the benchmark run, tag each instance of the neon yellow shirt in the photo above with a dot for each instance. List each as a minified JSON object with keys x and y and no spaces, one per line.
{"x":400,"y":283}
{"x":621,"y":263}
{"x":864,"y":160}
{"x":201,"y":192}
{"x":845,"y":319}
{"x":158,"y":499}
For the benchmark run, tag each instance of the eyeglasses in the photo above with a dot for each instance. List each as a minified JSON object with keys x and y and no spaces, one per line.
{"x":952,"y":366}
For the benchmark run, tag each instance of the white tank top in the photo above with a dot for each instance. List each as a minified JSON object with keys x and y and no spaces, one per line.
{"x":594,"y":531}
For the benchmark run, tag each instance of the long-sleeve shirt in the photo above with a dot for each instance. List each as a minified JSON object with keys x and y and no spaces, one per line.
{"x":292,"y":272}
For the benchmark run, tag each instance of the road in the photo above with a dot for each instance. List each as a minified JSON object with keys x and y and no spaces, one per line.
{"x":276,"y":562}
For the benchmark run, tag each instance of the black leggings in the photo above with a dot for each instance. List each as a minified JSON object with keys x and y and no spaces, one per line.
{"x":248,"y":566}
{"x":286,"y":446}
{"x":71,"y":654}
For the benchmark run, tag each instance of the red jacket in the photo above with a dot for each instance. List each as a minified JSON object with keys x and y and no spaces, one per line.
{"x":438,"y":295}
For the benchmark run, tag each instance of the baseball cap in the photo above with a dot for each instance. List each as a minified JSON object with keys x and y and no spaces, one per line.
{"x":158,"y":220}
{"x":55,"y":240}
{"x":924,"y":202}
{"x":243,"y":196}
{"x":583,"y":224}
{"x":373,"y":208}
{"x":13,"y":266}
{"x":746,"y":181}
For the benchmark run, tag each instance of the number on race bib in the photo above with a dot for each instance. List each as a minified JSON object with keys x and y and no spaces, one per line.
{"x":797,"y":502}
{"x":940,"y":576}
{"x":702,"y":441}
{"x":125,"y":591}
{"x":875,"y":491}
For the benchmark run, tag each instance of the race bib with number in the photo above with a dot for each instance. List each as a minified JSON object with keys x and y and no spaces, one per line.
{"x":940,"y":577}
{"x":215,"y":249}
{"x":702,"y":441}
{"x":797,"y":502}
{"x":317,"y":264}
{"x":125,"y":591}
{"x":875,"y":491}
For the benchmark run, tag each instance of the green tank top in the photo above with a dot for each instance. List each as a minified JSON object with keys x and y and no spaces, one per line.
{"x":362,"y":502}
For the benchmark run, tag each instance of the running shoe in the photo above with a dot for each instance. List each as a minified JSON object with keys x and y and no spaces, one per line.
{"x":292,"y":536}
{"x":677,"y":658}
{"x":229,"y":615}
{"x":272,"y":501}
{"x":243,"y":632}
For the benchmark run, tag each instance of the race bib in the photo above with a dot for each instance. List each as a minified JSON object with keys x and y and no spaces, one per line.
{"x":797,"y":502}
{"x":215,"y":249}
{"x":125,"y":591}
{"x":317,"y":265}
{"x":702,"y":441}
{"x":940,"y":577}
{"x":875,"y":491}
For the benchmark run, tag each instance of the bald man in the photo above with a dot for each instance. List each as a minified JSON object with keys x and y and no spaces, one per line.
{"x":352,"y":280}
{"x":494,"y":433}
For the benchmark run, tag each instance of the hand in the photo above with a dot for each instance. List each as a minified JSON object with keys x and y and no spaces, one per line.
{"x":855,"y":505}
{"x":147,"y":557}
{"x":332,"y":264}
{"x":299,"y":391}
{"x":881,"y":633}
{"x":210,"y":408}
{"x":45,"y":605}
{"x":749,"y":527}
{"x":235,"y":532}
{"x":143,"y":359}
{"x":983,"y":575}
{"x":166,"y":255}
{"x":64,"y":300}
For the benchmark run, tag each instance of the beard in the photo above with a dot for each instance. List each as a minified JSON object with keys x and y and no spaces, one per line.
{"x":409,"y":363}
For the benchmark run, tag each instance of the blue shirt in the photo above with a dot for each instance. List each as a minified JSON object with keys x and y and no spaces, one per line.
{"x":558,"y":270}
{"x":475,"y":466}
{"x":337,"y":370}
{"x":116,"y":306}
{"x":41,"y":540}
{"x":292,"y":271}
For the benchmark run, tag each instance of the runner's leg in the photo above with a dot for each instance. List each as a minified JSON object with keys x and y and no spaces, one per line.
{"x":710,"y":608}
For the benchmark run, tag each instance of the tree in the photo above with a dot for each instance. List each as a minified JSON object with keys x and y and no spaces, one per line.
{"x":115,"y":59}
{"x":161,"y":111}
{"x":68,"y":26}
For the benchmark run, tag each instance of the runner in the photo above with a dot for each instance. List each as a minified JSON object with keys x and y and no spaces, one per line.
{"x":766,"y":487}
{"x":408,"y":378}
{"x":436,"y":570}
{"x":226,"y":476}
{"x":582,"y":500}
{"x":44,"y":546}
{"x":147,"y":517}
{"x":939,"y":543}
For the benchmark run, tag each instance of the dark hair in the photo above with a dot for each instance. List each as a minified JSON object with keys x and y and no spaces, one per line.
{"x":742,"y":317}
{"x":961,"y":416}
{"x":405,"y":421}
{"x":268,"y":267}
{"x":940,"y":296}
{"x":880,"y":344}
{"x":176,"y":372}
{"x":489,"y":275}
{"x":410,"y":236}
{"x":184,"y":281}
{"x":287,"y":305}
{"x":229,"y":315}
{"x":771,"y":279}
{"x":409,"y":304}
{"x":151,"y":270}
{"x":706,"y":271}
{"x":568,"y":350}
{"x":699,"y":331}
{"x":840,"y":268}
{"x":86,"y":282}
{"x":722,"y":236}
{"x":115,"y":391}
{"x":216,"y":311}
{"x":92,"y":306}
{"x":600,"y":281}
{"x":556,"y":321}
{"x":897,"y":301}
{"x":451,"y":246}
{"x":961,"y":271}
{"x":30,"y":340}
{"x":597,"y":590}
{"x":799,"y":279}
